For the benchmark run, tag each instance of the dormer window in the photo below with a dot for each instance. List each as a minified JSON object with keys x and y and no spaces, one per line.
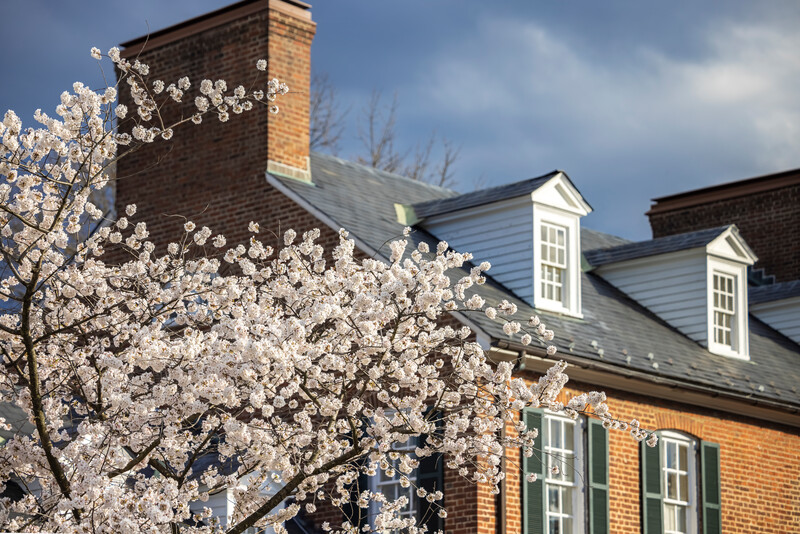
{"x":556,"y":253}
{"x":724,"y":308}
{"x":529,"y":231}
{"x":727,"y":307}
{"x":696,"y":282}
{"x":554,"y":262}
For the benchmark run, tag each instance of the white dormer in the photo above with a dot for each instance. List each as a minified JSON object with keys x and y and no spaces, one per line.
{"x":728,"y":258}
{"x":557,"y":209}
{"x":529,"y":231}
{"x":696,"y":282}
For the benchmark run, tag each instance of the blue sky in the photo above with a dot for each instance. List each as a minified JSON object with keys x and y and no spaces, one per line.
{"x":633,"y":100}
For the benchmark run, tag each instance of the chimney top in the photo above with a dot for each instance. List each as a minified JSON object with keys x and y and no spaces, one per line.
{"x":212,"y":19}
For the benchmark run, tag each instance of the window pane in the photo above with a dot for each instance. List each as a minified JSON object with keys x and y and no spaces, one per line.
{"x":684,"y":463}
{"x":567,"y":522}
{"x":672,"y":485}
{"x":554,"y":526}
{"x":670,"y":455}
{"x":569,"y":436}
{"x":568,"y":467}
{"x":552,"y":499}
{"x":566,"y":501}
{"x":555,"y":434}
{"x":683,"y":481}
{"x":681,"y":519}
{"x":669,"y":517}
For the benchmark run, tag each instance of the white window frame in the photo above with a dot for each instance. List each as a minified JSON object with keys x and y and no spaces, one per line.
{"x":739,"y":347}
{"x":676,"y":439}
{"x":570,"y":303}
{"x":555,"y":456}
{"x":553,"y":268}
{"x":723,"y":292}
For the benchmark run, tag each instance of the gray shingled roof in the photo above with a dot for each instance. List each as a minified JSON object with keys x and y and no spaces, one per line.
{"x":615,"y":330}
{"x":484,"y":196}
{"x":653,"y":247}
{"x":771,"y":292}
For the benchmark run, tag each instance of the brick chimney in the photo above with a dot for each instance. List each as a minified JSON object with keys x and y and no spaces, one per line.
{"x":213,"y":173}
{"x":765,"y":208}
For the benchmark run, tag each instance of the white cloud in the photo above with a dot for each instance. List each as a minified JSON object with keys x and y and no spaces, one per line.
{"x":728,"y":112}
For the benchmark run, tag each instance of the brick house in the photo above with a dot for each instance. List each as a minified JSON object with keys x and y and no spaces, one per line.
{"x":668,"y":327}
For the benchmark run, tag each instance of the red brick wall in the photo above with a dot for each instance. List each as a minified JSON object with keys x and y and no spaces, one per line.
{"x":213,"y":173}
{"x":769,"y":221}
{"x":760,"y":466}
{"x":760,"y":472}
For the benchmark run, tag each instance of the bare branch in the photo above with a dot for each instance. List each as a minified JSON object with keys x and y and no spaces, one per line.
{"x":327,"y":116}
{"x":376,"y":130}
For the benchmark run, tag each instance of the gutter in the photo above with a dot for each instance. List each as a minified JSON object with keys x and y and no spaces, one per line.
{"x":637,"y":382}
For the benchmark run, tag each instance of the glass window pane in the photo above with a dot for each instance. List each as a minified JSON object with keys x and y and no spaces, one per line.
{"x":672,"y":486}
{"x":554,"y":526}
{"x":552,"y":499}
{"x":561,"y":238}
{"x":681,"y":519}
{"x":683,"y":464}
{"x":670,"y":452}
{"x":568,"y":467}
{"x":683,"y":481}
{"x":566,"y":501}
{"x":669,"y":517}
{"x":556,"y":439}
{"x":544,"y":238}
{"x":569,"y":436}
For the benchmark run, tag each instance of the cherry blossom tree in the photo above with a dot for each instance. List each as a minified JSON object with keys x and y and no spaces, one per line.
{"x":143,"y":386}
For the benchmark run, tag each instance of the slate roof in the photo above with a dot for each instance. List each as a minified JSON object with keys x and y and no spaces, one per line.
{"x":614,"y":330}
{"x":771,"y":292}
{"x":484,"y":196}
{"x":653,"y":247}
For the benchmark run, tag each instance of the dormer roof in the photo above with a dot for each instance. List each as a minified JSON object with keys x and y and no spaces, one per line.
{"x":723,"y":241}
{"x":535,"y":187}
{"x":774,"y":292}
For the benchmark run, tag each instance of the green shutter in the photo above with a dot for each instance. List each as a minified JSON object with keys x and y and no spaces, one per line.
{"x":533,"y":498}
{"x":652,"y":512}
{"x":598,"y":478}
{"x":430,"y":475}
{"x":709,"y":464}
